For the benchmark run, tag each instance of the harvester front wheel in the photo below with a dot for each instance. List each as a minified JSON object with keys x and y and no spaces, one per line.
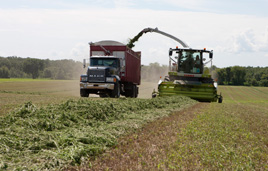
{"x":220,"y":100}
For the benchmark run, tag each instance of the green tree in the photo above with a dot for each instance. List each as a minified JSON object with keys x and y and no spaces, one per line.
{"x":48,"y":73}
{"x":221,"y":76}
{"x":33,"y":66}
{"x":254,"y":82}
{"x":238,"y":75}
{"x":228,"y":75}
{"x":5,"y":62}
{"x":264,"y":83}
{"x":4,"y":72}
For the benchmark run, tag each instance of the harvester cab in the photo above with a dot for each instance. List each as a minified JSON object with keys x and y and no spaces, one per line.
{"x":190,"y":61}
{"x":186,"y":76}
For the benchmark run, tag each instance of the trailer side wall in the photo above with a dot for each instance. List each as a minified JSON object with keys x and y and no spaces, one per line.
{"x":131,"y":60}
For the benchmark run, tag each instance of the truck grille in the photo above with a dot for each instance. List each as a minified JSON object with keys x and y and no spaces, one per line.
{"x":96,"y":75}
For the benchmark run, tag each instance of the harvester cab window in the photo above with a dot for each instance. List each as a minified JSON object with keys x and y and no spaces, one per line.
{"x":197,"y":64}
{"x":190,"y":62}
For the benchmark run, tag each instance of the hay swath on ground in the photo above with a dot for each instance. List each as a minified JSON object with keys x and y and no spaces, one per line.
{"x":70,"y":133}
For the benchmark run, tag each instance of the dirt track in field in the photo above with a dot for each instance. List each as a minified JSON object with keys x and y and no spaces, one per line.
{"x":147,"y":148}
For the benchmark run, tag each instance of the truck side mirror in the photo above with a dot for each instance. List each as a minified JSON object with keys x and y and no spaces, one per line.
{"x":211,"y":54}
{"x":170,"y":52}
{"x":84,"y":63}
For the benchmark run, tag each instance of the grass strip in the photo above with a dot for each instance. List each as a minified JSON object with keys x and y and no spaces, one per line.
{"x":2,"y":80}
{"x":219,"y":139}
{"x":20,"y":92}
{"x":50,"y":138}
{"x":144,"y":149}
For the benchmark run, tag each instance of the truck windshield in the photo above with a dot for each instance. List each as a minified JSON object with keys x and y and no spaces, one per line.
{"x":190,"y":62}
{"x":112,"y":62}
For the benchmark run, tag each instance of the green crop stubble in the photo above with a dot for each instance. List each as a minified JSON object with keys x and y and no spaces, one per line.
{"x":229,"y":136}
{"x":15,"y":92}
{"x":57,"y":135}
{"x":218,"y":140}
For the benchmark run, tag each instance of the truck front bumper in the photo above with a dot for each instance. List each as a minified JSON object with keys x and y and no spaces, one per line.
{"x":96,"y":86}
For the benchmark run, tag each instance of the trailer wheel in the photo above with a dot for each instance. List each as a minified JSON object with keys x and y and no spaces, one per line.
{"x":84,"y":93}
{"x":116,"y":92}
{"x":133,"y":91}
{"x":137,"y":91}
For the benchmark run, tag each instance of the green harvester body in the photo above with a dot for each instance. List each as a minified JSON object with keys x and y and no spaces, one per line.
{"x":206,"y":92}
{"x":186,"y":77}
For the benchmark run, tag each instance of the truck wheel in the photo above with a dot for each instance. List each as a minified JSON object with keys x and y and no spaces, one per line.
{"x":127,"y":94}
{"x":116,"y":92}
{"x":84,"y":93}
{"x":103,"y":95}
{"x":133,"y":91}
{"x":136,"y":92}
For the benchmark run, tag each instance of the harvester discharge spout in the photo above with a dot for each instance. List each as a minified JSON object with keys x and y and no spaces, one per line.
{"x":146,"y":30}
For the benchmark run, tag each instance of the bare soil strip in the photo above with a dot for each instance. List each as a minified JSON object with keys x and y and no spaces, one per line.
{"x":145,"y":149}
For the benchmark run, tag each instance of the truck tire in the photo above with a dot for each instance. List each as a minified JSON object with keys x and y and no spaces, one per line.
{"x":133,"y":91}
{"x":84,"y":93}
{"x":116,"y":91}
{"x":136,"y":92}
{"x":127,"y":94}
{"x":103,"y":95}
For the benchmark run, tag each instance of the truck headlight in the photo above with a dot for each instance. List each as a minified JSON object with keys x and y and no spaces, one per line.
{"x":83,"y":78}
{"x":110,"y":79}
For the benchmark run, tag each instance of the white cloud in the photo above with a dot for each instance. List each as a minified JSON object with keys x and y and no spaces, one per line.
{"x":123,"y":3}
{"x":189,"y":4}
{"x":60,"y":34}
{"x":244,"y":42}
{"x":264,"y":41}
{"x":80,"y":51}
{"x":247,"y":40}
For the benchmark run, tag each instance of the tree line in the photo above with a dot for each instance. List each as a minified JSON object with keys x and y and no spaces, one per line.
{"x":16,"y":67}
{"x":237,"y":75}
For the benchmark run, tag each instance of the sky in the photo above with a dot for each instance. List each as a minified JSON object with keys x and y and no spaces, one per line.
{"x":236,"y":30}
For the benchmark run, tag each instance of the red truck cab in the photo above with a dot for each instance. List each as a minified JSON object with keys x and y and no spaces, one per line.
{"x":114,"y":70}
